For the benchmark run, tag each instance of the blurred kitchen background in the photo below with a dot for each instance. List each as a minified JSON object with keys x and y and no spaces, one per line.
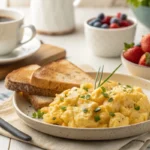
{"x":81,"y":3}
{"x":105,"y":6}
{"x":85,"y":9}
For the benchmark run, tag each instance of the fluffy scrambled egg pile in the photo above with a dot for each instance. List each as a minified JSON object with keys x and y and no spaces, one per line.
{"x":111,"y":105}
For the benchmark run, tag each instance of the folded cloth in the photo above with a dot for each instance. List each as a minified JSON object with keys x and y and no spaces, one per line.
{"x":48,"y":142}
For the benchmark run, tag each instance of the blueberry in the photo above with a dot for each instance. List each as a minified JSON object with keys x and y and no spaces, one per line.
{"x":97,"y":20}
{"x":93,"y":21}
{"x":123,"y":17}
{"x":105,"y":26}
{"x":101,"y":16}
{"x":114,"y":20}
{"x":97,"y":24}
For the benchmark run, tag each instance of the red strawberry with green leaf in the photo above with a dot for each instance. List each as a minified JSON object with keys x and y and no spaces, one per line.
{"x":132,"y":53}
{"x":145,"y":59}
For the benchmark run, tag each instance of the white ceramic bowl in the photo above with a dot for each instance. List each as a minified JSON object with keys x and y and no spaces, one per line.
{"x":108,"y":42}
{"x":135,"y":69}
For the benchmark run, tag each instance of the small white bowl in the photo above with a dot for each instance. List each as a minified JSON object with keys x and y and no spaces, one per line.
{"x":109,"y":42}
{"x":135,"y":69}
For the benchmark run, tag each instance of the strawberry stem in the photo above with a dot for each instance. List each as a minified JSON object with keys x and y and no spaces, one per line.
{"x":147,"y":58}
{"x":127,"y":46}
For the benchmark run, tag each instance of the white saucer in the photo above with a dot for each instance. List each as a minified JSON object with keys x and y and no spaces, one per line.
{"x":22,"y":52}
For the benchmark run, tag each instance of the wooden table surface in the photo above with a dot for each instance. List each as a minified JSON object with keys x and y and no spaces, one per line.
{"x":77,"y":53}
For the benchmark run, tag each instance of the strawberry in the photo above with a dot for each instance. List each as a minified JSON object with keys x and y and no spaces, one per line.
{"x":124,"y":23}
{"x":118,"y":15}
{"x":145,"y":59}
{"x":114,"y":25}
{"x":106,"y":20}
{"x":145,"y":43}
{"x":132,"y":53}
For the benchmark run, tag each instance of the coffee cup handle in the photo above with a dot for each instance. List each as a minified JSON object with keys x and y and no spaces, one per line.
{"x":32,"y":28}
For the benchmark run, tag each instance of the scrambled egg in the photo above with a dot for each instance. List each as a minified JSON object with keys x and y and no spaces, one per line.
{"x":111,"y":105}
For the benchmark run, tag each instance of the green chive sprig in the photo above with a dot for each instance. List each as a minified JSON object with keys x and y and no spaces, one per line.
{"x":99,"y":76}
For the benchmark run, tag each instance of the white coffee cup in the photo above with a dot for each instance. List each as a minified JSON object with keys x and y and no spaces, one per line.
{"x":12,"y":31}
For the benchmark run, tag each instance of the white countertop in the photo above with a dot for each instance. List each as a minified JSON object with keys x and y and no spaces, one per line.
{"x":77,"y":52}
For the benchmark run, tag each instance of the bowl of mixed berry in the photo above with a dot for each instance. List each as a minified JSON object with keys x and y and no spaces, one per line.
{"x":136,"y":58}
{"x":105,"y":34}
{"x":110,"y":22}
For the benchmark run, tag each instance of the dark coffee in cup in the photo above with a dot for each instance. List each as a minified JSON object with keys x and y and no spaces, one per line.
{"x":5,"y":19}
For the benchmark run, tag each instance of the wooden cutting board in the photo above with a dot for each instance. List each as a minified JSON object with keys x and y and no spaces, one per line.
{"x":46,"y":53}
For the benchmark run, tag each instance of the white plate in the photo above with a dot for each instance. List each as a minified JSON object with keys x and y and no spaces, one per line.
{"x":24,"y":111}
{"x":21,"y":52}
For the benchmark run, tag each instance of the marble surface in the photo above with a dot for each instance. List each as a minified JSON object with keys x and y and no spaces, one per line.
{"x":77,"y":52}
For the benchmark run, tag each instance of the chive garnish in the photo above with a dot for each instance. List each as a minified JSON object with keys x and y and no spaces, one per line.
{"x":34,"y":115}
{"x":88,"y":96}
{"x":85,"y":110}
{"x":83,"y":96}
{"x":54,"y":118}
{"x":128,"y":86}
{"x":86,"y":89}
{"x":136,"y":107}
{"x":61,"y":98}
{"x":63,"y":108}
{"x":110,"y":75}
{"x":96,"y":118}
{"x":38,"y":114}
{"x":104,"y":92}
{"x":97,"y":109}
{"x":100,"y":73}
{"x":112,"y":114}
{"x":101,"y":76}
{"x":103,"y":89}
{"x":105,"y":95}
{"x":96,"y":78}
{"x":110,"y":99}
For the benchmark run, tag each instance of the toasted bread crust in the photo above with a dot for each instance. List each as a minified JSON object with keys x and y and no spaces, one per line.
{"x":59,"y":76}
{"x":19,"y":80}
{"x":27,"y":88}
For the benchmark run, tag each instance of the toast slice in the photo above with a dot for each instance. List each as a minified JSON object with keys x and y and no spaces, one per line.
{"x":38,"y":101}
{"x":59,"y":76}
{"x":19,"y":80}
